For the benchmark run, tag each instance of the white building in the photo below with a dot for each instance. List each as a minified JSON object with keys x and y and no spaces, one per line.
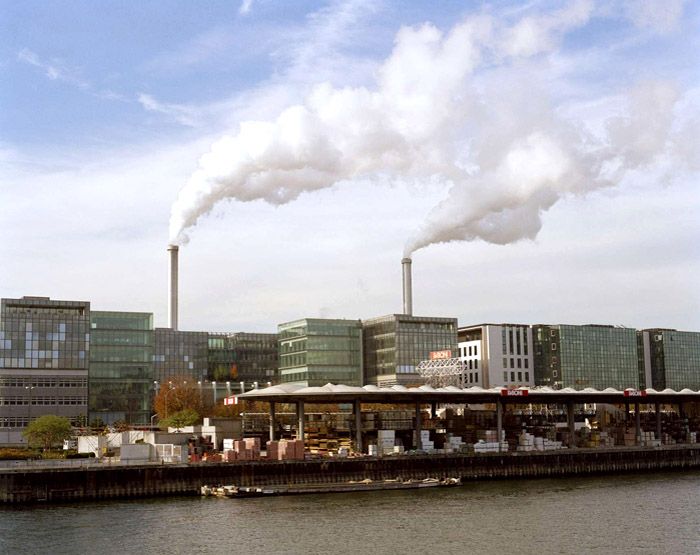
{"x":497,"y":355}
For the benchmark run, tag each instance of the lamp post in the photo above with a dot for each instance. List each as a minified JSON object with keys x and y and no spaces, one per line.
{"x":213,"y":386}
{"x":29,"y":388}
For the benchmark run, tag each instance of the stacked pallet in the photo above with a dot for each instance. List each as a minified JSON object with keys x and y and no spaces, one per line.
{"x":385,"y":442}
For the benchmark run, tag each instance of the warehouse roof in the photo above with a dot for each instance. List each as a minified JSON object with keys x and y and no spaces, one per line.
{"x":331,"y":393}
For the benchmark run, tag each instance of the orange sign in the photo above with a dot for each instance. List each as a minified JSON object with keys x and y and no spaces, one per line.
{"x":440,"y":355}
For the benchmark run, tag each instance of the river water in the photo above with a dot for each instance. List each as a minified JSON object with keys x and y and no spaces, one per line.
{"x":643,"y":513}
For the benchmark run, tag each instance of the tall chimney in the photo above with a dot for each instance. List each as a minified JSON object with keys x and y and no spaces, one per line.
{"x":172,"y":287}
{"x":407,"y":287}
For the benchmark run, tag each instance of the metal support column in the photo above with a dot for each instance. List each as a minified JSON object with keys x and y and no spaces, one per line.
{"x":657,"y":408}
{"x":637,"y":425}
{"x":273,"y":423}
{"x":357,"y":408}
{"x":300,"y":420}
{"x":572,"y":423}
{"x":499,"y":423}
{"x":419,"y":443}
{"x":433,"y":410}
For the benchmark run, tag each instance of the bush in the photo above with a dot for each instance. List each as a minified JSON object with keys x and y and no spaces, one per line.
{"x":80,"y":455}
{"x":9,"y":454}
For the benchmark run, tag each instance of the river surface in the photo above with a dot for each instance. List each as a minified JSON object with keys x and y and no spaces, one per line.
{"x":643,"y":513}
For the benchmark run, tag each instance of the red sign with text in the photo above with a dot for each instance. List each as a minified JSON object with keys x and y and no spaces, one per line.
{"x":440,"y":355}
{"x":514,"y":392}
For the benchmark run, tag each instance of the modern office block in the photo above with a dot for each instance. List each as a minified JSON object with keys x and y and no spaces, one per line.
{"x":316,"y":351}
{"x":497,"y":355}
{"x":586,"y":356}
{"x":180,"y":353}
{"x":671,"y":359}
{"x":121,"y":367}
{"x":394,"y":345}
{"x":44,"y":357}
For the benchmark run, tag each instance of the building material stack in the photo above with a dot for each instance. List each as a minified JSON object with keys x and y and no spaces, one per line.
{"x":490,"y":443}
{"x":290,"y":450}
{"x":385,"y":442}
{"x":425,"y":443}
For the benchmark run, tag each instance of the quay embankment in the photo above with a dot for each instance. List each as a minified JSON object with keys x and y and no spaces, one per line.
{"x":97,"y":481}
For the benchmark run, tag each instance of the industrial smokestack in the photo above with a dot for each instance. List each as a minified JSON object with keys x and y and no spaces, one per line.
{"x":172,"y":287}
{"x":407,"y":286}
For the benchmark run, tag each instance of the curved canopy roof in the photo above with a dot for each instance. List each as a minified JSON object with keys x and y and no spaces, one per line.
{"x":331,"y":393}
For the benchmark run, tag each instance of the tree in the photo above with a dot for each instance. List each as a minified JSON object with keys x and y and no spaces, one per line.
{"x":47,"y":431}
{"x":178,"y":394}
{"x":180,"y":419}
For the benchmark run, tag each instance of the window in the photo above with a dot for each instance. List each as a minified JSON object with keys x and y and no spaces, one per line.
{"x":512,"y":376}
{"x":476,"y":377}
{"x":527,"y":376}
{"x":505,"y":363}
{"x":512,"y":363}
{"x":520,"y":376}
{"x":554,"y":346}
{"x":505,"y":376}
{"x":526,"y":363}
{"x":520,"y":362}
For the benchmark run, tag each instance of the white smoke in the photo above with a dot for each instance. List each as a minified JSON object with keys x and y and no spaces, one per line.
{"x":506,"y":155}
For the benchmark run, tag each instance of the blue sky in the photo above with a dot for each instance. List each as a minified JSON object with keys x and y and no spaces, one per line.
{"x":106,"y":108}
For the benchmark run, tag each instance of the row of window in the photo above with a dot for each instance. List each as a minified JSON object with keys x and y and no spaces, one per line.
{"x":473,"y":377}
{"x":513,"y":375}
{"x":472,"y":350}
{"x":516,"y":363}
{"x":16,"y":400}
{"x":33,"y":381}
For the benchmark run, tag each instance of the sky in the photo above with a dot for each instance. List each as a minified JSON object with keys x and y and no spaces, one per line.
{"x":538,"y":159}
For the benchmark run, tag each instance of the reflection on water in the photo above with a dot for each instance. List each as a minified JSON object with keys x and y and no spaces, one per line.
{"x":645,"y":513}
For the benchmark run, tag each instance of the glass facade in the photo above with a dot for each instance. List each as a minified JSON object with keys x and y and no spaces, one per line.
{"x":244,"y":357}
{"x":586,"y":356}
{"x":674,"y":359}
{"x":180,"y":353}
{"x":320,"y":351}
{"x":44,"y":356}
{"x":121,"y":367}
{"x":394,"y":345}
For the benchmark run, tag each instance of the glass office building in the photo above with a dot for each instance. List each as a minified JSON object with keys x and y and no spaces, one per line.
{"x":316,"y":351}
{"x":394,"y":345}
{"x":44,"y":356}
{"x":586,"y":356}
{"x":671,"y":359}
{"x":121,"y":367}
{"x":180,"y":354}
{"x":243,"y":357}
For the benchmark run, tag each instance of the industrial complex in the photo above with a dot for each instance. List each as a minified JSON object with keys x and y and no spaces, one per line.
{"x":62,"y":357}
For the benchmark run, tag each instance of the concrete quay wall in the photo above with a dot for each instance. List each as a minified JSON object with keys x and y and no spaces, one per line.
{"x":101,"y":482}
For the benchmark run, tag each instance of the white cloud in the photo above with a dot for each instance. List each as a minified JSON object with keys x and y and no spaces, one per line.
{"x":659,"y":15}
{"x":185,"y":115}
{"x":246,"y":5}
{"x":56,"y":70}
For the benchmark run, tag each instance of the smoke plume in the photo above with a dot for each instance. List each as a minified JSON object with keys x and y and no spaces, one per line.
{"x":506,"y":155}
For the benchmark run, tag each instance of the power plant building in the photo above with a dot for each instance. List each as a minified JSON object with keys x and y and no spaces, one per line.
{"x":121,"y":367}
{"x":497,"y":355}
{"x":315,"y":351}
{"x":671,"y":359}
{"x":44,"y":357}
{"x":394,"y":346}
{"x":586,"y":356}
